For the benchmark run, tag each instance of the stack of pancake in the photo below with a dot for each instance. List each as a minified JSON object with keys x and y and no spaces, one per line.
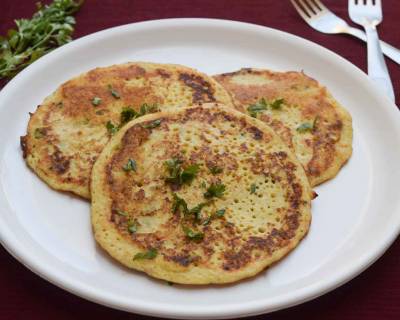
{"x":192,"y":179}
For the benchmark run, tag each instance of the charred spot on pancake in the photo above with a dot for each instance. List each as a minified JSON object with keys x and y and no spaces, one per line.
{"x":164,"y":74}
{"x":24,"y":145}
{"x":59,"y":162}
{"x":202,"y":88}
{"x":257,"y":133}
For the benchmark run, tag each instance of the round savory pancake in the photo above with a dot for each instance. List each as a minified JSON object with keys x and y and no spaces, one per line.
{"x":301,"y":111}
{"x":70,"y":128}
{"x":199,"y":195}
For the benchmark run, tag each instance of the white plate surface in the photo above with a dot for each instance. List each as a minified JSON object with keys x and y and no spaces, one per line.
{"x":355,"y":218}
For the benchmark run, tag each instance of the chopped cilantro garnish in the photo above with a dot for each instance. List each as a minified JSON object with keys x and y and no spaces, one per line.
{"x":220,"y":213}
{"x":253,"y":188}
{"x":152,"y":124}
{"x":130,"y":165}
{"x":96,"y":101}
{"x":263,"y":105}
{"x":114,"y":92}
{"x":215,"y":190}
{"x":128,"y":114}
{"x":132,"y":226}
{"x":179,"y":205}
{"x":257,"y":107}
{"x":215,"y":170}
{"x":179,"y":176}
{"x":146,"y":108}
{"x":112,"y":128}
{"x":277,"y":104}
{"x":197,"y":210}
{"x":189,"y":173}
{"x":192,"y":235}
{"x":305,"y":127}
{"x":149,"y":254}
{"x":122,"y":213}
{"x":207,"y":220}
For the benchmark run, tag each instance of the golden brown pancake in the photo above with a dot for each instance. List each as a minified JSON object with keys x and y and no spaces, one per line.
{"x":70,"y":128}
{"x":199,"y":195}
{"x":301,"y":111}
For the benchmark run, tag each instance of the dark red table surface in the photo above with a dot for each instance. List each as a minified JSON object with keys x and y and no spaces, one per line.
{"x":375,"y":294}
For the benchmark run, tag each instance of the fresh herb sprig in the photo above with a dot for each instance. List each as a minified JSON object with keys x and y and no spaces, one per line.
{"x":50,"y":27}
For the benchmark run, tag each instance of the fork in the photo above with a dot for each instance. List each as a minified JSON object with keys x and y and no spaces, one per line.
{"x":369,"y":14}
{"x":322,"y":19}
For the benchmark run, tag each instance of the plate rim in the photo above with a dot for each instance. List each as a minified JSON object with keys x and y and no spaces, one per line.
{"x":310,"y":292}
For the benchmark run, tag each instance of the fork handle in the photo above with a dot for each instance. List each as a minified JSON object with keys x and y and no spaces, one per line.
{"x":377,"y":69}
{"x":390,"y":51}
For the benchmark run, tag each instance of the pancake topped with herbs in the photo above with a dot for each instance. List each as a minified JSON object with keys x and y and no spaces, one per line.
{"x":199,"y":195}
{"x":301,"y":111}
{"x":70,"y":128}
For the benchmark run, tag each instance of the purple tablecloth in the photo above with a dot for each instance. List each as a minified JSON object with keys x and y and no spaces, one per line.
{"x":375,"y":294}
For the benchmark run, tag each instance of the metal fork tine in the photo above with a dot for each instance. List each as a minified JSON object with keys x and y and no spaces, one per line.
{"x":321,"y":5}
{"x":312,"y":6}
{"x":306,"y":8}
{"x":305,"y":16}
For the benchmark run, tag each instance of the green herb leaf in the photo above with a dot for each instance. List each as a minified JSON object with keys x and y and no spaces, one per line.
{"x":305,"y":127}
{"x":215,"y":190}
{"x":114,"y":92}
{"x":253,"y":188}
{"x":39,"y":133}
{"x":207,"y":220}
{"x":122,"y":213}
{"x":179,"y":205}
{"x":130,"y":166}
{"x":174,"y":170}
{"x":189,"y":173}
{"x":179,"y":176}
{"x":257,"y":107}
{"x":220,"y":213}
{"x":112,"y":128}
{"x":192,"y":235}
{"x":197,"y":210}
{"x":215,"y":170}
{"x":96,"y":101}
{"x":152,"y":125}
{"x":149,"y":254}
{"x":132,"y":226}
{"x":128,"y":114}
{"x":146,"y":109}
{"x":50,"y":27}
{"x":277,"y":104}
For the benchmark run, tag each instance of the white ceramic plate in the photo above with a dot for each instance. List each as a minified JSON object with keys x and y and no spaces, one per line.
{"x":355,"y":218}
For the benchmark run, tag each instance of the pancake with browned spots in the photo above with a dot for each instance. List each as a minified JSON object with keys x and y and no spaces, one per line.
{"x":199,"y":195}
{"x":70,"y":128}
{"x":301,"y":111}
